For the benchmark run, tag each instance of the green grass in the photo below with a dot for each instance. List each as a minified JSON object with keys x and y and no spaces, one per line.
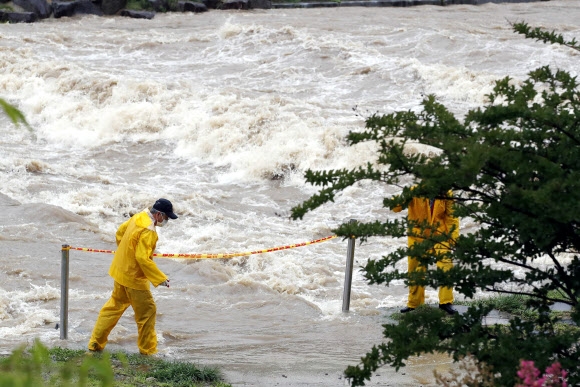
{"x":135,"y":368}
{"x":516,"y":305}
{"x":57,"y":366}
{"x":512,"y":304}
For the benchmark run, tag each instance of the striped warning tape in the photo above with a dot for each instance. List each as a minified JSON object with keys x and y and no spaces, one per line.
{"x":213,"y":256}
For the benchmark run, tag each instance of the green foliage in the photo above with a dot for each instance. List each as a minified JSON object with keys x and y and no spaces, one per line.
{"x":138,"y":5}
{"x":514,"y":168}
{"x":545,"y":36}
{"x":13,"y":113}
{"x":172,"y":5}
{"x":35,"y":367}
{"x":39,"y":366}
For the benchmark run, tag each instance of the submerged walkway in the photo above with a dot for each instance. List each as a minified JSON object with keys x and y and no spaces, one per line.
{"x":389,"y":3}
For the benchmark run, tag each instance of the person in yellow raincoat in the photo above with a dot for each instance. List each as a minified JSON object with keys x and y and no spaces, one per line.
{"x":132,"y":269}
{"x":437,"y":212}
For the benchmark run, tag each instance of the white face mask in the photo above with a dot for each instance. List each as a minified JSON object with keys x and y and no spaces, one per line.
{"x":163,"y":223}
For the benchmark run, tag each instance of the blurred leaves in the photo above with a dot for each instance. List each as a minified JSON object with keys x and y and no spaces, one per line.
{"x":14,"y":114}
{"x":32,"y":367}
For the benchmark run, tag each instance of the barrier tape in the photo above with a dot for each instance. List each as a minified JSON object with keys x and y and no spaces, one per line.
{"x":213,"y":256}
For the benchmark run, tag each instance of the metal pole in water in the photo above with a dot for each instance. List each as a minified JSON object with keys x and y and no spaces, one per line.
{"x":64,"y":292}
{"x":348,"y":272}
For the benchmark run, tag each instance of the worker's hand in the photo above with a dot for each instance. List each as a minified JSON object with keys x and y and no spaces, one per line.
{"x":165,"y":283}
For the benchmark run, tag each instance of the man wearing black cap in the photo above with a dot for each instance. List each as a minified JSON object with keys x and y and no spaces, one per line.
{"x":132,"y":269}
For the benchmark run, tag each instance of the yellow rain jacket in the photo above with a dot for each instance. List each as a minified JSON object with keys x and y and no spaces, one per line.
{"x":442,"y":215}
{"x":133,"y":265}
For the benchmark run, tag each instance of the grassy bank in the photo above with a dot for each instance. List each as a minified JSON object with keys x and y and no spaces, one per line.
{"x":41,"y":366}
{"x":516,"y":306}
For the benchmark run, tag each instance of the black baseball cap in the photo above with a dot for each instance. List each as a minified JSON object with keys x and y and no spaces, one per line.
{"x":166,"y":207}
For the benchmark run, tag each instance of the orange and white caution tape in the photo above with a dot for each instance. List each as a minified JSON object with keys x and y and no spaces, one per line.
{"x":89,"y":250}
{"x":213,"y":256}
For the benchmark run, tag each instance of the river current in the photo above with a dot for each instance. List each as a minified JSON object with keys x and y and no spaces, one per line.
{"x":222,"y":113}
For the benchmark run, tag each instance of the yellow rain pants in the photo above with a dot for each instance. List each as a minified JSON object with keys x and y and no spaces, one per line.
{"x":145,"y":311}
{"x":441,"y":214}
{"x":132,"y":269}
{"x":417,"y":293}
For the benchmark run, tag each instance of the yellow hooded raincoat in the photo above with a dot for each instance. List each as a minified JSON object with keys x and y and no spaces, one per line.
{"x":132,"y":269}
{"x":441,"y":215}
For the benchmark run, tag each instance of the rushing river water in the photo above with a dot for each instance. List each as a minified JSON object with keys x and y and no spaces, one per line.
{"x":222,"y":113}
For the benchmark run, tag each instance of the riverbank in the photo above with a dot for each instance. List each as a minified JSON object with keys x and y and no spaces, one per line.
{"x":389,"y":3}
{"x":29,"y":11}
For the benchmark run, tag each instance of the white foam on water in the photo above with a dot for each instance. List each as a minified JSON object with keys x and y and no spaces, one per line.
{"x":24,"y":311}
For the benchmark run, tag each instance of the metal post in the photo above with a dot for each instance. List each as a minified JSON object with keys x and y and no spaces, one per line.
{"x":348,"y":272}
{"x":64,"y":292}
